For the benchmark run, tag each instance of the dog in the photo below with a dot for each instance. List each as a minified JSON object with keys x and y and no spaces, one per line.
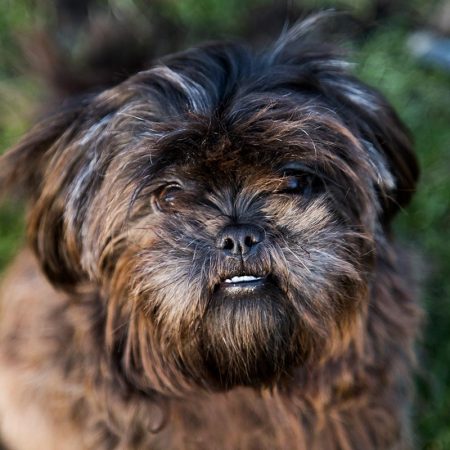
{"x":211,"y":263}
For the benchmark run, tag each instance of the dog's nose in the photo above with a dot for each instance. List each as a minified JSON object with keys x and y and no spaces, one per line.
{"x":242,"y":239}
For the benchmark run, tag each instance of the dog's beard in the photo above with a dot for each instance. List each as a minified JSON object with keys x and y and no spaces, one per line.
{"x":247,"y":337}
{"x":220,"y":335}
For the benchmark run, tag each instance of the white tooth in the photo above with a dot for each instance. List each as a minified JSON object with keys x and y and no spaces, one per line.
{"x":242,"y":278}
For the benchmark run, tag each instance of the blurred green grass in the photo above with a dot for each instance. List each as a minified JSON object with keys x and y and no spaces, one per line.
{"x":422,"y":98}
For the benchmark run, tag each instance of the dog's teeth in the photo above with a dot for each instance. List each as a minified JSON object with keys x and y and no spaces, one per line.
{"x":241,"y":279}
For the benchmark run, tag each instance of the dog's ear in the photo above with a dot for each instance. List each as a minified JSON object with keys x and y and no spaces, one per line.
{"x":23,"y":166}
{"x":384,"y":137}
{"x":365,"y":111}
{"x":27,"y":170}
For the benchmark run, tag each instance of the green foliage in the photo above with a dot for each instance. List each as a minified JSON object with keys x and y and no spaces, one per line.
{"x":15,"y":15}
{"x":16,"y":90}
{"x":11,"y":231}
{"x":197,"y":13}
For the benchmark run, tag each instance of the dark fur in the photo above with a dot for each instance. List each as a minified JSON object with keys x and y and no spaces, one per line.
{"x":140,"y":347}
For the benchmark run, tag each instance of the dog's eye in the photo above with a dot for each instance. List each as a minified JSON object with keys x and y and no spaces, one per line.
{"x":164,"y":198}
{"x":302,"y":183}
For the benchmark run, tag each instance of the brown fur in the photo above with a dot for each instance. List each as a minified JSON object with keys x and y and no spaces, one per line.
{"x":136,"y":340}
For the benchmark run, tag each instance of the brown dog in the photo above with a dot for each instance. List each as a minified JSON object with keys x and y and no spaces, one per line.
{"x":212,"y":262}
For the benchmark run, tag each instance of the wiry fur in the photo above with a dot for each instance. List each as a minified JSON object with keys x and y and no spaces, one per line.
{"x":134,"y":344}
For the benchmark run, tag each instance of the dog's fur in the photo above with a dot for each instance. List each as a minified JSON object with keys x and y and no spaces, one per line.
{"x":118,"y":331}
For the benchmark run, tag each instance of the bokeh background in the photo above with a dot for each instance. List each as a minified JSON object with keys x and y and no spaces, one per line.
{"x":49,"y":49}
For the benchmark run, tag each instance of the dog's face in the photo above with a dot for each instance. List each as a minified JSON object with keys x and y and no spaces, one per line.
{"x":228,"y":208}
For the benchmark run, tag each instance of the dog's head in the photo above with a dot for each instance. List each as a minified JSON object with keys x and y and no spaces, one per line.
{"x":227,"y":206}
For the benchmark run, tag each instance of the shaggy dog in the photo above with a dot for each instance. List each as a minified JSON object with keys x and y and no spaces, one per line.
{"x":212,"y":264}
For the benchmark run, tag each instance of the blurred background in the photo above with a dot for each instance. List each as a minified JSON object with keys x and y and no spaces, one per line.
{"x":52,"y":49}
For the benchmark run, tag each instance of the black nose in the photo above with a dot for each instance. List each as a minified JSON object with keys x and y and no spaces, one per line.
{"x":240,"y":239}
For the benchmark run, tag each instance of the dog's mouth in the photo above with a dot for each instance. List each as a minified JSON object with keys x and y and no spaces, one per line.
{"x":244,"y":282}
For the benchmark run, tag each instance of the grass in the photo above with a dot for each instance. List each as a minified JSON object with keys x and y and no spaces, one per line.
{"x":422,"y":97}
{"x":11,"y":231}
